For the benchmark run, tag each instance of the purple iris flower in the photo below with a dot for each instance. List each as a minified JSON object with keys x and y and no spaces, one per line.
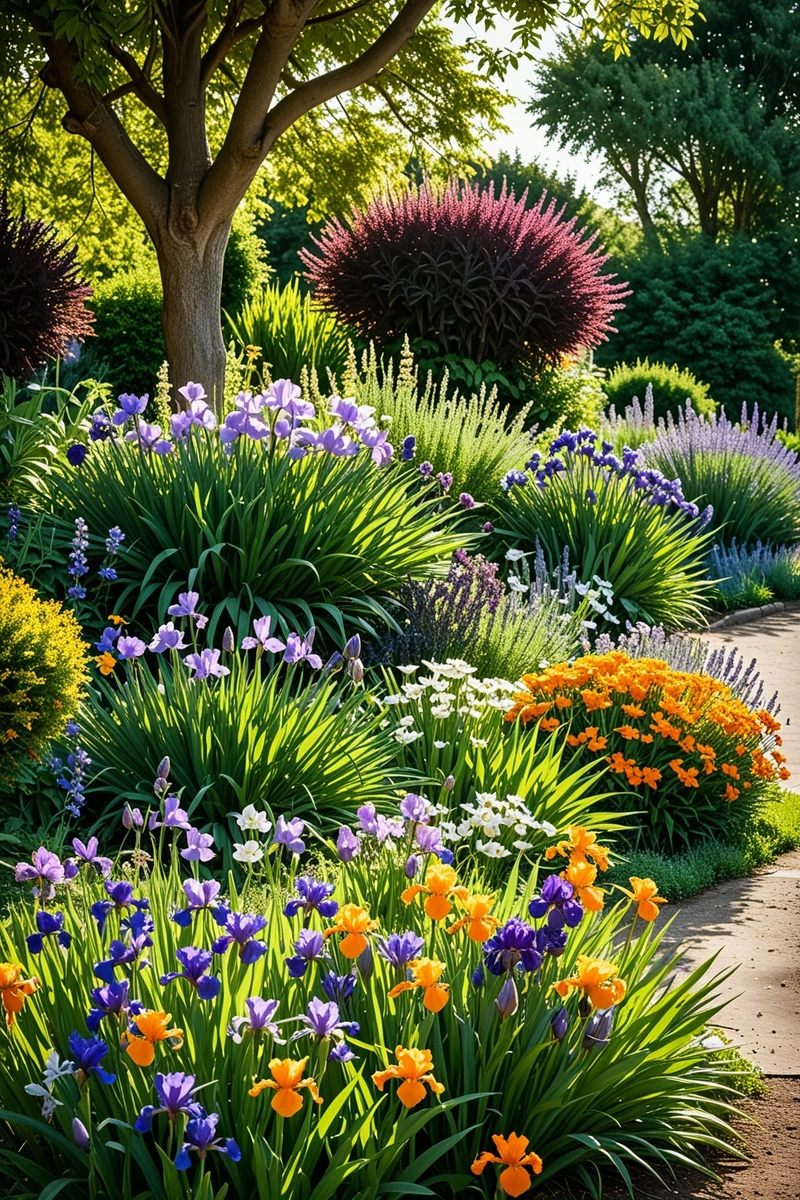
{"x":149,"y":436}
{"x":415,"y":808}
{"x":120,"y":898}
{"x":175,"y":1093}
{"x":107,"y":640}
{"x":200,"y":896}
{"x":375,"y":439}
{"x":300,"y":649}
{"x":429,"y":840}
{"x":312,"y":895}
{"x":259,"y":1020}
{"x":48,"y":925}
{"x":409,"y":448}
{"x":130,"y":647}
{"x":513,"y":946}
{"x":187,"y":607}
{"x":111,"y":1000}
{"x":80,"y":1135}
{"x":557,"y":901}
{"x":290,"y":834}
{"x":198,"y":846}
{"x":324,"y":1021}
{"x":201,"y":1138}
{"x":348,"y":846}
{"x":241,"y":928}
{"x":478,"y":977}
{"x":335,"y":441}
{"x":400,"y":949}
{"x":195,"y":971}
{"x":262,"y":639}
{"x":551,"y":941}
{"x":309,"y":947}
{"x":87,"y":1054}
{"x":76,"y":454}
{"x":341,"y":1052}
{"x":167,"y":638}
{"x":383,"y":828}
{"x":559,"y":1024}
{"x":338,"y":988}
{"x":44,"y":871}
{"x":507,"y":999}
{"x":139,"y":928}
{"x":129,"y":406}
{"x":206,"y":664}
{"x":87,"y":853}
{"x":175,"y":817}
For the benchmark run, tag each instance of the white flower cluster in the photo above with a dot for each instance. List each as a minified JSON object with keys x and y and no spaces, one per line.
{"x":600,"y":598}
{"x":250,"y":820}
{"x":493,"y":818}
{"x":448,"y":690}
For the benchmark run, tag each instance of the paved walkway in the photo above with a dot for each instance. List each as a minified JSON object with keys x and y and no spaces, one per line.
{"x":755,"y":922}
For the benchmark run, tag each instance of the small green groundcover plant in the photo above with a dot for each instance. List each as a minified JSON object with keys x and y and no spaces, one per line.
{"x":43,"y":670}
{"x":670,"y":388}
{"x":370,"y":1028}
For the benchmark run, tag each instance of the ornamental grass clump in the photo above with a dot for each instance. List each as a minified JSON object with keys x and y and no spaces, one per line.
{"x":738,"y":572}
{"x":624,"y":524}
{"x":683,"y":752}
{"x":741,"y":469}
{"x":160,"y":1025}
{"x":280,"y":511}
{"x":479,"y":275}
{"x":43,"y":671}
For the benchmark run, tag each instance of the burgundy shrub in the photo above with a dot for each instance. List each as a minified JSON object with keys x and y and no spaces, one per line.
{"x":481,"y":275}
{"x":42,"y":299}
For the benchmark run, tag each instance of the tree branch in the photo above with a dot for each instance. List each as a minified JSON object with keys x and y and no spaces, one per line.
{"x":141,"y":84}
{"x":340,"y":12}
{"x":229,"y":36}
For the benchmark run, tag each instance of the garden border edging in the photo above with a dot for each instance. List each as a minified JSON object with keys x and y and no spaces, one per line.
{"x":742,"y":616}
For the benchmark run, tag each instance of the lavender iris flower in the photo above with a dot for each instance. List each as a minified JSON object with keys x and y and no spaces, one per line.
{"x":300,"y":649}
{"x":198,"y":846}
{"x":415,"y":808}
{"x":258,"y":1021}
{"x":195,"y":971}
{"x":412,"y":865}
{"x":87,"y":853}
{"x":167,"y":638}
{"x":129,"y":406}
{"x":175,"y":1094}
{"x":241,"y":929}
{"x":309,"y":947}
{"x":149,"y":437}
{"x":348,"y":846}
{"x":48,"y":925}
{"x":87,"y":1054}
{"x":557,"y":901}
{"x":80,"y":1135}
{"x":187,"y":607}
{"x":201,"y":1138}
{"x":130,"y":647}
{"x":175,"y":817}
{"x":44,"y":871}
{"x":324,"y":1021}
{"x":512,"y":946}
{"x":206,"y":664}
{"x":289,"y":833}
{"x":200,"y":896}
{"x":382,"y":828}
{"x":400,"y":949}
{"x":262,"y":640}
{"x":381,"y":449}
{"x":313,"y":894}
{"x":507,"y":1000}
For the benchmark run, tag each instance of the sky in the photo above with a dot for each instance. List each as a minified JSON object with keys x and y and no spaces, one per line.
{"x":531,"y":142}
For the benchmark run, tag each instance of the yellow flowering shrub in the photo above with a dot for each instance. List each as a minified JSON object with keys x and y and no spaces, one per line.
{"x":42,"y":670}
{"x":685,"y":753}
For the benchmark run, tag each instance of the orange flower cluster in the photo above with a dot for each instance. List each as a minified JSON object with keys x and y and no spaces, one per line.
{"x":586,"y":857}
{"x":669,"y":726}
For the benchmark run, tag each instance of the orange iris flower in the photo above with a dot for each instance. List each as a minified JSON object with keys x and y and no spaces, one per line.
{"x":644,"y":894}
{"x":440,"y":884}
{"x":354,"y":922}
{"x":151,"y":1027}
{"x":596,"y":978}
{"x":105,"y":663}
{"x":582,"y":842}
{"x":14,"y":988}
{"x":511,"y":1153}
{"x":287,"y":1079}
{"x":480,"y":925}
{"x":414,"y":1067}
{"x":582,"y":874}
{"x":426,"y":972}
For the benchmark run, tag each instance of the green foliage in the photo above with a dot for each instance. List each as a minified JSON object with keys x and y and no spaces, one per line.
{"x":42,"y":671}
{"x":245,"y":266}
{"x":653,"y":1092}
{"x":291,"y":333}
{"x":671,"y":387}
{"x":784,"y":579}
{"x":569,"y":397}
{"x":650,"y":555}
{"x":127,"y":326}
{"x":319,"y":541}
{"x":474,"y":438}
{"x":293,"y":743}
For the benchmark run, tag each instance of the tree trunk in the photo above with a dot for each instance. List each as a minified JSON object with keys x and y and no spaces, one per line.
{"x":192,"y":282}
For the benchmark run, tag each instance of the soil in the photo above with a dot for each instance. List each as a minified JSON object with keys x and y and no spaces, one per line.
{"x":771,"y":1172}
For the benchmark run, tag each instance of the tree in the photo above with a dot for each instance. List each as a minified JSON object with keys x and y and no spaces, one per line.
{"x":257,"y":67}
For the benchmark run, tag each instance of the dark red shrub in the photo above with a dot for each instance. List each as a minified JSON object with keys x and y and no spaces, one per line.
{"x":41,"y":297}
{"x":479,"y":274}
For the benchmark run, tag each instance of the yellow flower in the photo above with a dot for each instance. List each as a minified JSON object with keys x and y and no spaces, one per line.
{"x":353,"y":921}
{"x":14,"y":988}
{"x":151,"y":1027}
{"x":439,"y":885}
{"x":511,"y":1152}
{"x":644,"y":894}
{"x":287,"y":1079}
{"x":598,"y":981}
{"x":480,"y":924}
{"x":105,"y":662}
{"x":414,"y":1067}
{"x":427,"y":972}
{"x":115,"y":619}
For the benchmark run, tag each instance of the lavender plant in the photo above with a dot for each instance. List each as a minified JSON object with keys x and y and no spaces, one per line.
{"x":635,"y":427}
{"x":741,"y":469}
{"x":737,"y":571}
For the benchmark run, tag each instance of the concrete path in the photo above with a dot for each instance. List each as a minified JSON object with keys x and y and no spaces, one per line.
{"x":755,"y":922}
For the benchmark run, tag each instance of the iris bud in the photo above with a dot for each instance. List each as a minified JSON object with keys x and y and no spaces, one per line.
{"x":449,"y":783}
{"x":559,"y":1024}
{"x":352,"y":649}
{"x":597,"y":1033}
{"x":228,"y":641}
{"x":163,"y":767}
{"x":507,"y":1001}
{"x":80,"y":1134}
{"x":355,"y":669}
{"x":412,"y":866}
{"x":366,"y":963}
